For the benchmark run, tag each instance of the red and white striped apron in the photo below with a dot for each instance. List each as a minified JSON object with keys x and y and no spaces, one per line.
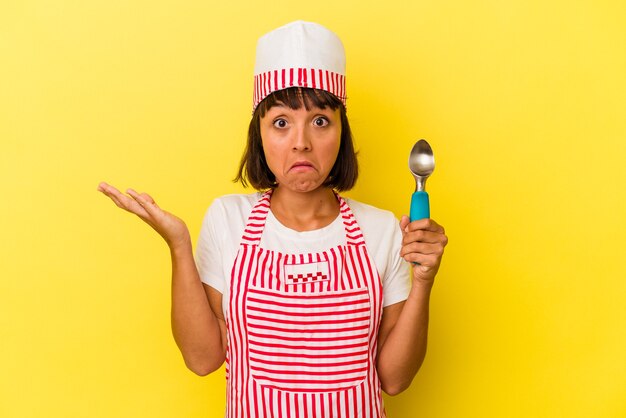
{"x":302,"y":328}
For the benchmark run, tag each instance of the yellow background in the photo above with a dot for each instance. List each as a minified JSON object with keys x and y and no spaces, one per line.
{"x":522,"y":101}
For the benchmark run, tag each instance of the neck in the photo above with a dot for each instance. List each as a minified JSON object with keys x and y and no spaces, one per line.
{"x":304,"y":211}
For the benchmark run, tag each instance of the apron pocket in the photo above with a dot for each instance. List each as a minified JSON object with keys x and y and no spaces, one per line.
{"x":308,"y":342}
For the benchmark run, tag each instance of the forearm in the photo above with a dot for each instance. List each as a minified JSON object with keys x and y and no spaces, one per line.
{"x":405,"y":347}
{"x":194,"y":325}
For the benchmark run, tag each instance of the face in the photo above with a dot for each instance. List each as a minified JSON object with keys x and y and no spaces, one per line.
{"x":301,"y":145}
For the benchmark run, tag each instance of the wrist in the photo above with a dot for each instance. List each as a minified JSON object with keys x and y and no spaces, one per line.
{"x":422,"y":287}
{"x":180,"y":246}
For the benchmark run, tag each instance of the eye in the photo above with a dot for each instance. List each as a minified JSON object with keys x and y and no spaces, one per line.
{"x":321,"y":121}
{"x":280,"y":123}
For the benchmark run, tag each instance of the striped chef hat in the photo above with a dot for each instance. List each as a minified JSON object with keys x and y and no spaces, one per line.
{"x":299,"y":54}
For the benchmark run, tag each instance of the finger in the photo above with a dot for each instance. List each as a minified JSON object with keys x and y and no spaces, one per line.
{"x":117,"y":202}
{"x":122,"y":201}
{"x":140,"y":198}
{"x":148,"y":198}
{"x":425,"y":224}
{"x":101,"y":186}
{"x":115,"y":195}
{"x":112,"y":192}
{"x":422,"y":248}
{"x":106,"y":188}
{"x":404,"y":221}
{"x":415,"y":236}
{"x":146,"y":202}
{"x":424,"y":236}
{"x":137,"y":196}
{"x":422,"y":260}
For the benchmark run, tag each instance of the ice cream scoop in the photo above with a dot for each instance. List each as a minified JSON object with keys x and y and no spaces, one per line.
{"x":422,"y":165}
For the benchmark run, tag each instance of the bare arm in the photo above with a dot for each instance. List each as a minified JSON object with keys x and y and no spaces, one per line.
{"x":197,"y":330}
{"x":404,"y":327}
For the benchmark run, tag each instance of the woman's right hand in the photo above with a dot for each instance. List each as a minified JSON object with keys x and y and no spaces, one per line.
{"x":170,"y":227}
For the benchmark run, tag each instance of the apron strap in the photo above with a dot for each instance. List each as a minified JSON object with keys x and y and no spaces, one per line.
{"x":256,"y":222}
{"x":354,"y":236}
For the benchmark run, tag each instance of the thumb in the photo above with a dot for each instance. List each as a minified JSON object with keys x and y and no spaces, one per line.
{"x":404,"y":221}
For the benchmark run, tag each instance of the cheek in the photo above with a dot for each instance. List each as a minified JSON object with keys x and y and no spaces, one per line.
{"x":271,"y":154}
{"x":332,"y":148}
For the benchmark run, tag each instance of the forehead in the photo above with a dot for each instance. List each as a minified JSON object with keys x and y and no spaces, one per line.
{"x":312,"y":108}
{"x":297,"y":98}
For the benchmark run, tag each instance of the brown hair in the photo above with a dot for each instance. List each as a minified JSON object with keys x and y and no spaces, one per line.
{"x":254,"y":169}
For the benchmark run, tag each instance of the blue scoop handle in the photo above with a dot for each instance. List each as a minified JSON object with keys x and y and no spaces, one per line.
{"x":420,"y":206}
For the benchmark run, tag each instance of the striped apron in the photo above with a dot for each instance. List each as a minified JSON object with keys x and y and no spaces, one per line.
{"x":302,"y":328}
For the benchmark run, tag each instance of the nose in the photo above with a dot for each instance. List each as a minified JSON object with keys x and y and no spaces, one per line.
{"x":302,"y":140}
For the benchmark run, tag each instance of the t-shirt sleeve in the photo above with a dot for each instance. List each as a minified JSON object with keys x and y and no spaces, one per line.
{"x":396,"y":278}
{"x":383,"y":238}
{"x":209,"y":257}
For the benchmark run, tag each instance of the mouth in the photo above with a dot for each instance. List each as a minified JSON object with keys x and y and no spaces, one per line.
{"x":301,"y":165}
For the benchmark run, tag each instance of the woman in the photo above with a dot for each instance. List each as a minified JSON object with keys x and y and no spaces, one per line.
{"x":303,"y":293}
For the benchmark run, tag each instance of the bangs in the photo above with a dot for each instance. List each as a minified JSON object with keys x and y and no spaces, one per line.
{"x":296,"y":97}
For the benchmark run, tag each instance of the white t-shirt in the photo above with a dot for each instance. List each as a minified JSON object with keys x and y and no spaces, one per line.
{"x":225,"y":220}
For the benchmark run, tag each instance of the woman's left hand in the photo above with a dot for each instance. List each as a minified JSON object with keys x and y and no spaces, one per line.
{"x":423,"y":242}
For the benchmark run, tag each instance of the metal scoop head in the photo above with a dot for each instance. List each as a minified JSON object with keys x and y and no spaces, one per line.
{"x":421,"y":163}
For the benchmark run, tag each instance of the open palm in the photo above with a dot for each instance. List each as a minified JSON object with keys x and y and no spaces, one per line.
{"x":169,"y":226}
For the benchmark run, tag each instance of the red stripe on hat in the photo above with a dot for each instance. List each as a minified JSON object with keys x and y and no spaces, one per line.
{"x":321,"y":75}
{"x":291,"y":77}
{"x":299,"y":76}
{"x":282,"y":76}
{"x":338,"y":78}
{"x":327,"y":81}
{"x":313,"y":78}
{"x":275,"y":79}
{"x":304,"y":80}
{"x":338,"y":85}
{"x":263,"y":92}
{"x":260,"y":84}
{"x":341,"y":86}
{"x":254,"y":93}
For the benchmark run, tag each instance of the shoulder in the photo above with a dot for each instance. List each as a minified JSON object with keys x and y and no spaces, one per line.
{"x":234,"y":201}
{"x":371,"y":214}
{"x":233,"y":205}
{"x":375,"y":223}
{"x":228,"y":213}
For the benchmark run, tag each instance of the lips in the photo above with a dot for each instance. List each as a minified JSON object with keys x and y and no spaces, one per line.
{"x":301,"y":165}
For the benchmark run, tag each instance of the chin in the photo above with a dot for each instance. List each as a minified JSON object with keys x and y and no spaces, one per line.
{"x":304,"y":187}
